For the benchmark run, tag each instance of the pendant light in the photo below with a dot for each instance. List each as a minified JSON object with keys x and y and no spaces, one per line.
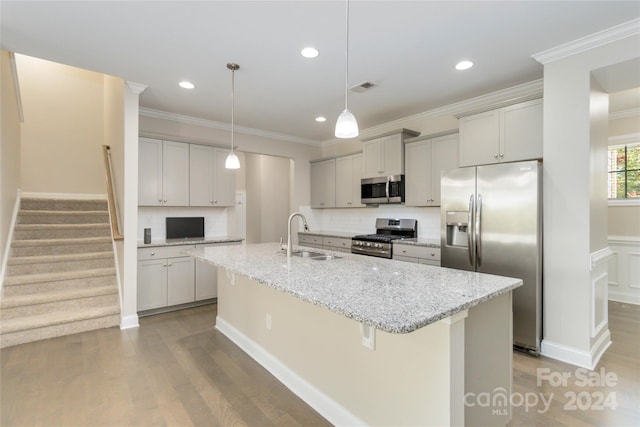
{"x":346,"y":126}
{"x":232,"y":161}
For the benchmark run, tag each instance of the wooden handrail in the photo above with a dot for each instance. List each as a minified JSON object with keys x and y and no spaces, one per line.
{"x":114,"y":215}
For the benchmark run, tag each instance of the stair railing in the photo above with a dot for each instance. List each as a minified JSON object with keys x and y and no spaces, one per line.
{"x":114,"y":214}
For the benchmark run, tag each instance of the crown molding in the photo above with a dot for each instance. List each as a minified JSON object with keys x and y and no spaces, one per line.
{"x":512,"y":95}
{"x":624,"y":139}
{"x":624,"y":114}
{"x":619,"y":32}
{"x":180,"y":118}
{"x":136,"y":88}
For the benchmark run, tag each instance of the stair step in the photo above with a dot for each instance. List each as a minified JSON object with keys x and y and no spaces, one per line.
{"x":60,"y":231}
{"x":30,"y":284}
{"x":61,"y":217}
{"x":23,"y":248}
{"x":62,"y":300}
{"x":55,"y":324}
{"x":47,"y":204}
{"x":57,"y":263}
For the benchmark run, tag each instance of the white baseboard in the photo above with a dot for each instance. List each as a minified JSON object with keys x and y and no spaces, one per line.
{"x":79,"y":196}
{"x":335,"y":413}
{"x":128,"y":322}
{"x":574,"y":356}
{"x":622,"y":297}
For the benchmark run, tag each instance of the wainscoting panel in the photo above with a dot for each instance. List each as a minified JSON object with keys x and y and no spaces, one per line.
{"x":624,"y":269}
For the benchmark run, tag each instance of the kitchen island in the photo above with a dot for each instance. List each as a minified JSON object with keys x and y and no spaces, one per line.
{"x":373,"y":341}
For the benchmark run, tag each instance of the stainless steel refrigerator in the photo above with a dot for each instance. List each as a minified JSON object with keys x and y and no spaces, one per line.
{"x":491,"y":218}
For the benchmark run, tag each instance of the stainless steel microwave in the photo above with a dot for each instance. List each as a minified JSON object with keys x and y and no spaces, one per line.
{"x":382,"y":190}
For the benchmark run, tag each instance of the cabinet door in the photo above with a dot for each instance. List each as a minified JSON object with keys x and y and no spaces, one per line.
{"x":323,"y":184}
{"x":201,"y":179}
{"x":393,"y":155}
{"x":152,"y":284}
{"x":521,"y":137}
{"x":372,"y":155}
{"x":479,"y":139}
{"x":206,"y":280}
{"x":180,"y":280}
{"x":225,"y":180}
{"x":149,"y":172}
{"x":356,"y":178}
{"x":417,"y":178}
{"x":175,"y":173}
{"x":348,"y":176}
{"x":444,"y":156}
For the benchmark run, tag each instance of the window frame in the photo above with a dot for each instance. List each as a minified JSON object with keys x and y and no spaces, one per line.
{"x":621,"y":141}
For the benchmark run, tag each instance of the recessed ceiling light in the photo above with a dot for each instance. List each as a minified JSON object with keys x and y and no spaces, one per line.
{"x":186,"y":85}
{"x":321,"y":119}
{"x":309,"y":52}
{"x":464,"y":65}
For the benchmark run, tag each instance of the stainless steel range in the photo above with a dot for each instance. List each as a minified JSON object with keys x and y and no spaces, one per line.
{"x":387,"y":230}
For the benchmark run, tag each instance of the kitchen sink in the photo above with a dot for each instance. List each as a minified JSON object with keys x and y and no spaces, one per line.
{"x":318,"y":256}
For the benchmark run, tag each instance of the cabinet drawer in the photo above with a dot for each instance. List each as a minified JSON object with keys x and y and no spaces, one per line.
{"x":337,"y":242}
{"x":417,"y":252}
{"x":162,"y":252}
{"x":309,"y":239}
{"x":405,"y":258}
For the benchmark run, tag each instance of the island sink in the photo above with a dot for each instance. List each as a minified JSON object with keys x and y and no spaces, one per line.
{"x":318,"y":256}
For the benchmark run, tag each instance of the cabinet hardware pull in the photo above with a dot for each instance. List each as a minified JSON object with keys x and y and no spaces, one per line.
{"x":153,"y":253}
{"x":170,"y":264}
{"x":495,"y":156}
{"x":501,"y":155}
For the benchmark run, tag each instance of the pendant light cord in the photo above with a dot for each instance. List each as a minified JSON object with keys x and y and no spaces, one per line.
{"x":346,"y":54}
{"x":233,"y":104}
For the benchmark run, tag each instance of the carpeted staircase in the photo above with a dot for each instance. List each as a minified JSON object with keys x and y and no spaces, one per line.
{"x":60,"y":276}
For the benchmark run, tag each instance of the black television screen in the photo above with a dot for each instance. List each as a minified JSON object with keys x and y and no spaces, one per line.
{"x":185,"y":227}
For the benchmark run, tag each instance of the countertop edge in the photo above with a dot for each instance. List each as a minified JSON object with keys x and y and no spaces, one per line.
{"x":205,"y":241}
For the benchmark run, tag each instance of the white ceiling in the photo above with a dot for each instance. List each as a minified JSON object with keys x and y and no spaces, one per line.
{"x":407,"y":48}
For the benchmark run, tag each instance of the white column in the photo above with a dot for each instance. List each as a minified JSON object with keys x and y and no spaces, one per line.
{"x":129,"y":315}
{"x":575,"y":222}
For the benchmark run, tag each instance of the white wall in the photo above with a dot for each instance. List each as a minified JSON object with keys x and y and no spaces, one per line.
{"x":9,"y":152}
{"x":215,"y":220}
{"x":573,"y":269}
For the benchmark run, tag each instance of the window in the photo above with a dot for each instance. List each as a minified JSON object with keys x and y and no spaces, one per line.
{"x":624,"y":172}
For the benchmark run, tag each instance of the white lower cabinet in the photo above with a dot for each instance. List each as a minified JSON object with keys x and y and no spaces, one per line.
{"x":417,"y":254}
{"x":310,"y":240}
{"x":167,"y":278}
{"x":338,"y":244}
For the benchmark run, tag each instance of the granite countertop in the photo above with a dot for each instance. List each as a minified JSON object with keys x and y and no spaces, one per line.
{"x":420,"y":241}
{"x":189,"y":241}
{"x":393,"y":296}
{"x":340,"y":234}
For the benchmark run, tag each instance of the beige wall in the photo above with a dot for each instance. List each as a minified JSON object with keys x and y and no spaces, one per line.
{"x":9,"y":149}
{"x":63,"y":128}
{"x":268,"y":181}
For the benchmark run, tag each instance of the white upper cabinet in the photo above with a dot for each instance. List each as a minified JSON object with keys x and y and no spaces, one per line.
{"x":211,"y":184}
{"x":348,"y":177}
{"x":507,"y":134}
{"x":163,"y":173}
{"x":425,"y":160}
{"x":323,"y":184}
{"x":384,"y":156}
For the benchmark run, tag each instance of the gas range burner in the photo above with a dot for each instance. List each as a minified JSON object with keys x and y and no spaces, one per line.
{"x":377,"y":238}
{"x":387,"y":230}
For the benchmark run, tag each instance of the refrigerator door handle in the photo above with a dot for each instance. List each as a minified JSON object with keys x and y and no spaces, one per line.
{"x":470,"y":231}
{"x":478,"y":230}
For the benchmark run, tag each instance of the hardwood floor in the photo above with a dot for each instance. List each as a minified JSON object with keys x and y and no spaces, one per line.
{"x":176,"y":369}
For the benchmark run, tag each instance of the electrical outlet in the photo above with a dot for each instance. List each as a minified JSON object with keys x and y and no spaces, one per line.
{"x":368,"y":336}
{"x":268,"y":322}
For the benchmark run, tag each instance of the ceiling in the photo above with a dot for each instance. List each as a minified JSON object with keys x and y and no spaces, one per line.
{"x":407,"y":48}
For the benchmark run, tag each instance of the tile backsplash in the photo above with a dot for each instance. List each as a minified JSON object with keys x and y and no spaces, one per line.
{"x":363,"y":220}
{"x":215,"y":220}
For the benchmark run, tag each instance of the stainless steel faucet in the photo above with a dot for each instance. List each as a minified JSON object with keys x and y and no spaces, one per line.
{"x":306,"y":228}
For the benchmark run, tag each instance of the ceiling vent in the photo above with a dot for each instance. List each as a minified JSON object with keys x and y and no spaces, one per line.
{"x":362,"y":87}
